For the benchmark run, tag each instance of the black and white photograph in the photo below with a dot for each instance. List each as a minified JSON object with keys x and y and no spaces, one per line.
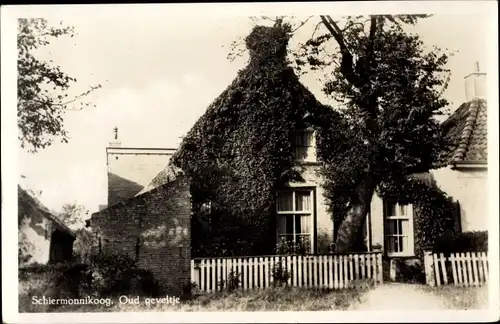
{"x":228,"y":158}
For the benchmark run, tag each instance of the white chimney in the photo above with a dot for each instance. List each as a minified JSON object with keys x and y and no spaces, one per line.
{"x":115,"y":142}
{"x":475,"y":84}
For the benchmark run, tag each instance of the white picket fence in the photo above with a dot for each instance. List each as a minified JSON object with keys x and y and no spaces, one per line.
{"x":461,"y":269}
{"x":319,"y":271}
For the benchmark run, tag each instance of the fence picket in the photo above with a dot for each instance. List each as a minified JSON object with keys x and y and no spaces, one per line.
{"x":477,"y":282}
{"x":443,"y":268}
{"x":468,"y":269}
{"x":480,"y":269}
{"x":351,"y":268}
{"x":463,"y":265}
{"x":453,"y":268}
{"x":436,"y":270}
{"x":484,"y":261}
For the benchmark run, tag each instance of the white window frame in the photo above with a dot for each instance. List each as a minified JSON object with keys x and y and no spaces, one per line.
{"x":294,"y":212}
{"x":310,"y":149}
{"x":407,"y":215}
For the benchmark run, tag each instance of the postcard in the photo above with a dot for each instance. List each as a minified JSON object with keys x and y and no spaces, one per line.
{"x":268,"y":162}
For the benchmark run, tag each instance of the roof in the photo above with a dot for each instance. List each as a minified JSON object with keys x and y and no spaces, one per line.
{"x":27,"y":203}
{"x":466,"y":132}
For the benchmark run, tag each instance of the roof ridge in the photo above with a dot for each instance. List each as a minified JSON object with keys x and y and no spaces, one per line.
{"x":467,"y":131}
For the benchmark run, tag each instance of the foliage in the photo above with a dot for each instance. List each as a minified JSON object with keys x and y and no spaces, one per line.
{"x":475,"y":241}
{"x":41,"y":86}
{"x":302,"y":246}
{"x":389,"y":91}
{"x":232,"y":282}
{"x":105,"y":275}
{"x":117,"y":274}
{"x":434,"y":212}
{"x":240,"y":151}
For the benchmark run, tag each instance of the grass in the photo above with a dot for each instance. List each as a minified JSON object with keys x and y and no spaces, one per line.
{"x":460,"y":298}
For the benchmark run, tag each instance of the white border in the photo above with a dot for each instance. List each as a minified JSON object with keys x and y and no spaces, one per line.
{"x":9,"y":157}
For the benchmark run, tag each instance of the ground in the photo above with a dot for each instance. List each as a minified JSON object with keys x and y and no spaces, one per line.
{"x":419,"y":297}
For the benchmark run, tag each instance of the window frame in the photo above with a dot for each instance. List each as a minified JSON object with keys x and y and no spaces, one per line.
{"x":311,"y":213}
{"x":410,"y":236}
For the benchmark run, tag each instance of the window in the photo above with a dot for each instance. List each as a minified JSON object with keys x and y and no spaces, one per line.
{"x":304,"y":146}
{"x":295,"y":219}
{"x":398,"y":228}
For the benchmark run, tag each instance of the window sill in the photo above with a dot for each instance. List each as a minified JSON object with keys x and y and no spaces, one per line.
{"x":401,"y":256}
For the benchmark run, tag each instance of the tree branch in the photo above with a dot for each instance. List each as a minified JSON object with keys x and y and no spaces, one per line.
{"x":347,"y":68}
{"x":302,"y":24}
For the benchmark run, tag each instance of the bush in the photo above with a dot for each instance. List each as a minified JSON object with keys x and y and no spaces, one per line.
{"x":232,"y":282}
{"x":117,"y":274}
{"x":475,"y":241}
{"x":105,"y":275}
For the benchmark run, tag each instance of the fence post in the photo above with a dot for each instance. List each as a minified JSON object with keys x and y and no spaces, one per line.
{"x":429,"y":273}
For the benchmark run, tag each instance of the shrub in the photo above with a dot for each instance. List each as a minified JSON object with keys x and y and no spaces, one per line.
{"x":117,"y":274}
{"x":475,"y":241}
{"x":232,"y":282}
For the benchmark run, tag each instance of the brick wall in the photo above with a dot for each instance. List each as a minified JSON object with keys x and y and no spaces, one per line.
{"x":155,"y":227}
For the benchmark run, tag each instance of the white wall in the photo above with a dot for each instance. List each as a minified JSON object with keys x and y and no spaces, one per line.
{"x":469,"y":187}
{"x":31,"y":233}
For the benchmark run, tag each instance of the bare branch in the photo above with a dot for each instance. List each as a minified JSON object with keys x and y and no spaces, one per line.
{"x":347,"y":61}
{"x":302,"y":24}
{"x":316,"y":28}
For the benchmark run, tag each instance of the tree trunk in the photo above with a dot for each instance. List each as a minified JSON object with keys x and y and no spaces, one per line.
{"x":352,"y":225}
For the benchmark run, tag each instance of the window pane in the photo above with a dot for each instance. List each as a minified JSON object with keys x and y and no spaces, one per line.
{"x":281,"y":224}
{"x":402,"y":210}
{"x":303,"y":224}
{"x":303,"y":201}
{"x":285,"y":201}
{"x":391,"y":244}
{"x":301,"y":153}
{"x":289,"y":224}
{"x":405,"y":227}
{"x":390,"y":208}
{"x":391,"y":227}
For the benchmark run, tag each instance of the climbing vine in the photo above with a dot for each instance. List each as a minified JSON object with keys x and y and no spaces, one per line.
{"x":240,"y":151}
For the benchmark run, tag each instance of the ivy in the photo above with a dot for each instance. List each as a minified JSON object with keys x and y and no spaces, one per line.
{"x":240,"y":151}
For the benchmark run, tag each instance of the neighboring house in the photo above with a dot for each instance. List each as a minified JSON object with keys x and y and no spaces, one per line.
{"x":464,"y":173}
{"x":130,"y":170}
{"x":43,"y":238}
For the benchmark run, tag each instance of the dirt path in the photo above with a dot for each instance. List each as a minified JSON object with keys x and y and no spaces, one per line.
{"x":399,"y":296}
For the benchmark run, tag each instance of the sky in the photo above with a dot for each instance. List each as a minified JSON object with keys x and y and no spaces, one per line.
{"x":159,"y":72}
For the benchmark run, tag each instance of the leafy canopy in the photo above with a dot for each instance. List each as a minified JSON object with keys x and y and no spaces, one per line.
{"x":42,"y":87}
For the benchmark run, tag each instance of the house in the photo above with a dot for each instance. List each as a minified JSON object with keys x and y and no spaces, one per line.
{"x":43,"y":238}
{"x":464,"y":172}
{"x":301,"y":207}
{"x":131,"y":169}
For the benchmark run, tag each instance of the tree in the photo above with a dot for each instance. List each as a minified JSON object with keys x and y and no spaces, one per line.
{"x":389,"y":91}
{"x":74,"y":215}
{"x":42,"y":86}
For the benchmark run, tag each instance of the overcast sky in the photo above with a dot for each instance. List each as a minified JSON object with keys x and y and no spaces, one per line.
{"x":159,"y":72}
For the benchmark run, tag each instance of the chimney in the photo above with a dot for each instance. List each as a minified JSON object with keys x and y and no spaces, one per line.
{"x":115,"y":142}
{"x":475,"y":84}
